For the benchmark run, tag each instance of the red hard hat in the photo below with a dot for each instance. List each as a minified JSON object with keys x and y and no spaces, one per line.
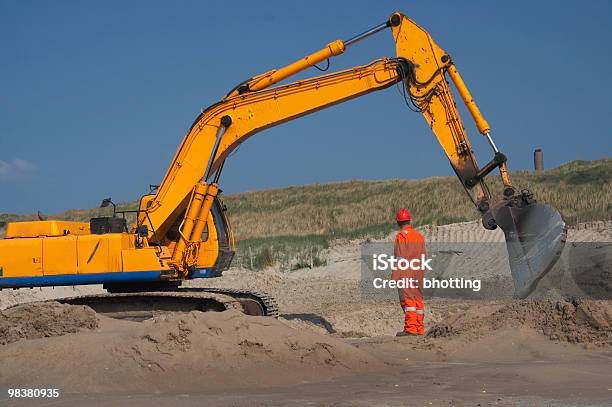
{"x":403,"y":215}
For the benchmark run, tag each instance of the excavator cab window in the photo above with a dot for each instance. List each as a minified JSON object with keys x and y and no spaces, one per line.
{"x":220,"y":222}
{"x":205,"y":233}
{"x":225,"y":251}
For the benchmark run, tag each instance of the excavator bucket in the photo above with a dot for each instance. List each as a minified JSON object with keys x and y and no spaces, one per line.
{"x":535,"y":237}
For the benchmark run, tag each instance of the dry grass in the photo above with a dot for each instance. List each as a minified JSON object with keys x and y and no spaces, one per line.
{"x":581,"y":190}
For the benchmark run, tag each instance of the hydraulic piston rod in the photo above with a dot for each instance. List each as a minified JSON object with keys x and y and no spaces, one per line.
{"x":365,"y":34}
{"x":331,"y":50}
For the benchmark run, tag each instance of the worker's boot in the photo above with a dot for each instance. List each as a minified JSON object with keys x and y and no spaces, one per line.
{"x":405,"y":333}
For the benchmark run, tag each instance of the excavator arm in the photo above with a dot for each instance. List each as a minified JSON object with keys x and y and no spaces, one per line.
{"x":178,"y":213}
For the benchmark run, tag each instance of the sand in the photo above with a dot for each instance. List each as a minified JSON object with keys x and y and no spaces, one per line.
{"x":177,"y":352}
{"x":331,"y":345}
{"x":576,"y":321}
{"x":30,"y":321}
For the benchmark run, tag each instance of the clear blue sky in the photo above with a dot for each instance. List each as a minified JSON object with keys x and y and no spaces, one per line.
{"x":97,"y":95}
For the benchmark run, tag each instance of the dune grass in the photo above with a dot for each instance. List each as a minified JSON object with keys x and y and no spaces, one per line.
{"x":581,"y":190}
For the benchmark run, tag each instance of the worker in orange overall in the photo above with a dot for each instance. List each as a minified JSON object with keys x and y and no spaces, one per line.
{"x":410,"y":244}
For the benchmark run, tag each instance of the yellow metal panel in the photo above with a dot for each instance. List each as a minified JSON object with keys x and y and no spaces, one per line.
{"x":21,"y":257}
{"x":92,"y":253}
{"x":144,"y":259}
{"x":60,"y":255}
{"x":100,"y":253}
{"x":45,"y":228}
{"x":116,"y":243}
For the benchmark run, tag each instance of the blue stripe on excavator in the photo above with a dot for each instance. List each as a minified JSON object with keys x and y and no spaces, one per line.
{"x":93,"y":278}
{"x":202,"y":273}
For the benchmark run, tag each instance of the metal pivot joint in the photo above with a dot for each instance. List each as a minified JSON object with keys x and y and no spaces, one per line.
{"x":226,"y":121}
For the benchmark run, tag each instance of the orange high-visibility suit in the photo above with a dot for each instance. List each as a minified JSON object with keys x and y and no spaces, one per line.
{"x":410,"y":244}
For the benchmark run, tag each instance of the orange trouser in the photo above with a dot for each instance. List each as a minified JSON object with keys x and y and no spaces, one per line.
{"x":414,"y":313}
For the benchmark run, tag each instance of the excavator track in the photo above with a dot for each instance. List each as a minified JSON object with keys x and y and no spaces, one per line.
{"x":143,"y":305}
{"x":265,"y":300}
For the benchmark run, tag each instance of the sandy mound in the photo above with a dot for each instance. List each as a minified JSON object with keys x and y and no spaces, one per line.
{"x":577,"y":321}
{"x":30,"y":321}
{"x":181,"y":352}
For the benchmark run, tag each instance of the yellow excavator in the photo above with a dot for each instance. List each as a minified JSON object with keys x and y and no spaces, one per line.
{"x":182,"y":231}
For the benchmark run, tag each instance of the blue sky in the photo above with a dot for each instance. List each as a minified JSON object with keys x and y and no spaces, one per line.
{"x":96,"y":96}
